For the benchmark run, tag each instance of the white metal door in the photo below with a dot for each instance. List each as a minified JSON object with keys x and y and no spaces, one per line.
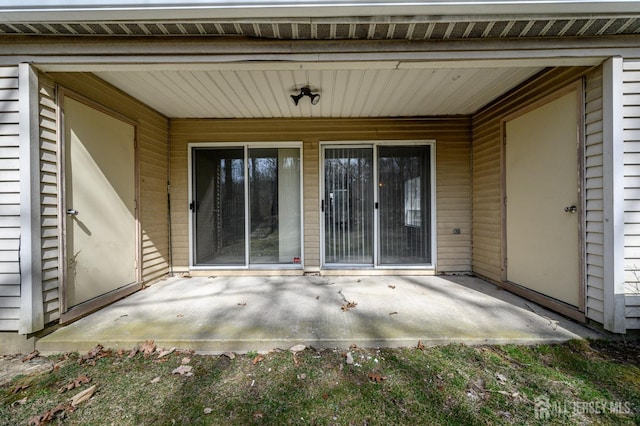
{"x":543,"y":201}
{"x":100,"y":202}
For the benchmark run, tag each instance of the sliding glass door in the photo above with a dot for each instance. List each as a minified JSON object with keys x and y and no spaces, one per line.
{"x":377,"y":205}
{"x":246,"y":206}
{"x":403,"y":197}
{"x":348,"y":202}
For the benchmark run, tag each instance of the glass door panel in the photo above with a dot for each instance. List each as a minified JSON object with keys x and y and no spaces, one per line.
{"x":348,"y":205}
{"x":404,"y":200}
{"x":274,"y":205}
{"x":219,"y":207}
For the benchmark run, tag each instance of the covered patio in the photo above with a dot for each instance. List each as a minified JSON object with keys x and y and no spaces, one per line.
{"x":216,"y":314}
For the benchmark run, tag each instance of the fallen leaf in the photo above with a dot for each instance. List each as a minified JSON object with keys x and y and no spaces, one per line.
{"x":501,"y":378}
{"x":229,"y":355}
{"x":349,"y":358}
{"x":376,"y":378}
{"x":183,"y":370}
{"x":83,"y":396}
{"x":297,"y":348}
{"x":134,"y":351}
{"x":353,"y":346}
{"x":148,"y":348}
{"x":258,"y":415}
{"x":349,"y":305}
{"x":19,"y":388}
{"x":257,"y":359}
{"x":19,"y":402}
{"x":301,"y":376}
{"x":95,"y":354}
{"x":76,"y":383}
{"x":31,"y":356}
{"x":420,"y":345}
{"x":295,"y":360}
{"x":166,"y":352}
{"x":392,"y":287}
{"x":208,"y":410}
{"x":120,"y":353}
{"x":156,"y":380}
{"x":325,"y":396}
{"x":48,"y":416}
{"x":185,"y":361}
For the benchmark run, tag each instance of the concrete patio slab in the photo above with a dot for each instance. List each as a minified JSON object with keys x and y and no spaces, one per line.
{"x":218,"y":314}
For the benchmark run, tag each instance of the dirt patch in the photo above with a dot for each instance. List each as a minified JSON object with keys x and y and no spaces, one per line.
{"x":12,"y":366}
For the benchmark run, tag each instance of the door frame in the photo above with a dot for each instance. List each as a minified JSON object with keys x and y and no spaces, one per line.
{"x":246,"y":146}
{"x":578,"y":314}
{"x":72,"y":313}
{"x":374,"y":144}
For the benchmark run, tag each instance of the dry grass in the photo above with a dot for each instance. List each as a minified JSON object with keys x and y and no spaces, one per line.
{"x":584,"y":383}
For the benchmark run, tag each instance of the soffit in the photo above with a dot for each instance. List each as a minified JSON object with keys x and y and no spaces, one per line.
{"x":345,"y":93}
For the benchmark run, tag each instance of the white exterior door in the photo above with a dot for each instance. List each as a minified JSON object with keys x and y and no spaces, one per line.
{"x":543,"y":202}
{"x":100,"y":203}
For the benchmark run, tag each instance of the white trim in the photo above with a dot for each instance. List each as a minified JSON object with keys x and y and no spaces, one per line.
{"x":31,"y":303}
{"x":245,"y":146}
{"x":374,"y":144}
{"x":613,"y":182}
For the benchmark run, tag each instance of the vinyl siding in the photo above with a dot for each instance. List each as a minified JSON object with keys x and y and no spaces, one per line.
{"x":152,"y":141}
{"x":487,"y":169}
{"x":9,"y":200}
{"x":453,"y":173}
{"x":631,"y":108}
{"x":594,"y":226}
{"x":49,"y":200}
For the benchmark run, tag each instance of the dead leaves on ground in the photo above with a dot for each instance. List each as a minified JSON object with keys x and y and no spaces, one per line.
{"x":66,"y":407}
{"x":76,"y":383}
{"x":31,"y":356}
{"x":258,"y":358}
{"x":349,"y":305}
{"x":420,"y":345}
{"x":376,"y":377}
{"x":95,"y":354}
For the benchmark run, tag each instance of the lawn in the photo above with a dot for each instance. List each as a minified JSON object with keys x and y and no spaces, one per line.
{"x":596,"y":382}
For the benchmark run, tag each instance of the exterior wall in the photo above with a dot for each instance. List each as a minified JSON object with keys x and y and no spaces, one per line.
{"x":49,"y":200}
{"x":631,"y":131}
{"x":9,"y":200}
{"x":487,"y":169}
{"x":594,"y":196}
{"x":152,"y":142}
{"x":453,"y":173}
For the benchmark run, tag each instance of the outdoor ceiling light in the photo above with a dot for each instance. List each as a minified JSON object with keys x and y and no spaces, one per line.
{"x":306,"y":91}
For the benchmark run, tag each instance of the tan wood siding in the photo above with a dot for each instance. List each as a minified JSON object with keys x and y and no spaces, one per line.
{"x":49,"y":200}
{"x":594,"y":227}
{"x":453,"y":172}
{"x":152,"y":141}
{"x":487,"y":170}
{"x":9,"y":200}
{"x":631,"y":108}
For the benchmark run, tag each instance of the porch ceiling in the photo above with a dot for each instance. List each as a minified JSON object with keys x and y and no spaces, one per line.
{"x":348,"y":90}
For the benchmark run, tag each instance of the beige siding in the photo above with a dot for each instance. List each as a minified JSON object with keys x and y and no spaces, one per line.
{"x":453,"y":173}
{"x":9,"y":201}
{"x":152,"y":141}
{"x":487,"y":168}
{"x":594,"y":226}
{"x":49,"y":200}
{"x":631,"y":99}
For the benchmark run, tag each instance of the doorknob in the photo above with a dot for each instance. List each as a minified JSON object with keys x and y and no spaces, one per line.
{"x":571,"y":209}
{"x":72,"y":212}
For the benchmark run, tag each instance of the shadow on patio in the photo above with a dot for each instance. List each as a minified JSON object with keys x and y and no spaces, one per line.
{"x":218,"y":314}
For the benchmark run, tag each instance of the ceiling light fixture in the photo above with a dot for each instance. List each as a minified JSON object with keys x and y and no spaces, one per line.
{"x":306,"y":91}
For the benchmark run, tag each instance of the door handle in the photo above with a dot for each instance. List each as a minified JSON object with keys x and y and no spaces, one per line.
{"x":571,"y":209}
{"x":72,"y":212}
